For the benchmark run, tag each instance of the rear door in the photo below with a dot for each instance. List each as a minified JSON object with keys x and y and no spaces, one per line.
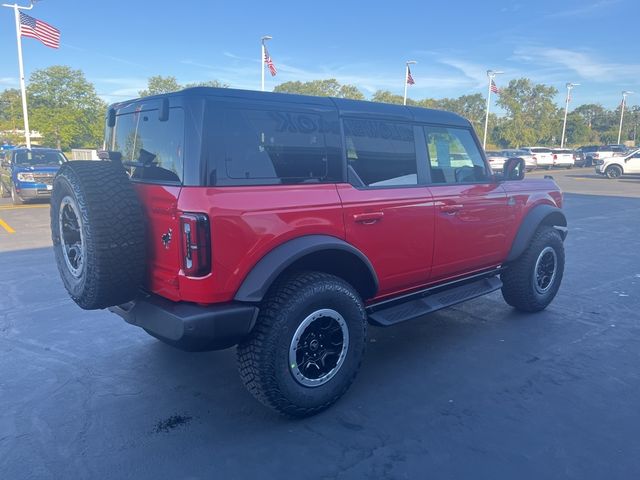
{"x":153,"y":154}
{"x":388,"y":214}
{"x":471,"y":214}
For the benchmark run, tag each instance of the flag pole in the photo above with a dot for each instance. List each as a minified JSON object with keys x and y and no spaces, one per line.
{"x":406,"y":84}
{"x":406,"y":79}
{"x":491,"y":74}
{"x":23,"y":89}
{"x":262,"y":59}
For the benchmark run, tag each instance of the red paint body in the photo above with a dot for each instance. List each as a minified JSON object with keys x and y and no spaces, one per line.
{"x":413,"y":237}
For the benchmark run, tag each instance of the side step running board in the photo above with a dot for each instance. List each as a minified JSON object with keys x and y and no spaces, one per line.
{"x":418,"y":307}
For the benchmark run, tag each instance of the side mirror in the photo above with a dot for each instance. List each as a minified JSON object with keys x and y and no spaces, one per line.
{"x":513,"y":169}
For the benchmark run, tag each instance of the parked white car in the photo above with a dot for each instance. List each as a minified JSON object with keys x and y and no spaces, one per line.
{"x":496,"y":160}
{"x":614,"y":167}
{"x":530,"y":162}
{"x":563,"y":157}
{"x":543,"y":156}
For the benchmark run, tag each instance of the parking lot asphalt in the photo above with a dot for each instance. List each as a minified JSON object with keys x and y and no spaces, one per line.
{"x":474,"y":391}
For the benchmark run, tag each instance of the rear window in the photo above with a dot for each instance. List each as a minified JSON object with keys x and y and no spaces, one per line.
{"x":266,"y":147}
{"x":380,"y":153}
{"x":541,"y":150}
{"x":152,"y":151}
{"x":558,"y":150}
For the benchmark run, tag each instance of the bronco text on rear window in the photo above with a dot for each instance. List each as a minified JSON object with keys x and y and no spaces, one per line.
{"x":266,"y":147}
{"x":152,"y":150}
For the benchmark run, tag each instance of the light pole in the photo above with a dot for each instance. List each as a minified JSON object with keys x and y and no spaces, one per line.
{"x":566,"y":110}
{"x":406,"y":79}
{"x":624,"y":100}
{"x":491,"y":74}
{"x":16,"y":11}
{"x":262,"y":59}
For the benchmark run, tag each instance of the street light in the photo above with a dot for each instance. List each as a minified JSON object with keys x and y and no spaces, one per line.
{"x":262,"y":58}
{"x":406,"y":79}
{"x":566,"y":110}
{"x":625,"y":93}
{"x":491,"y":74}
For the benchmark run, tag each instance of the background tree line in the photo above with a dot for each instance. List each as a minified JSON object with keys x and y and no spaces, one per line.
{"x":65,"y":108}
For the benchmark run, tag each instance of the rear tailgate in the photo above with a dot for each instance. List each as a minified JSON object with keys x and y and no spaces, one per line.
{"x":160,"y":203}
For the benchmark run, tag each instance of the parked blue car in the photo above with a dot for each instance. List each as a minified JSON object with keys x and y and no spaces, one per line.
{"x":27,"y":174}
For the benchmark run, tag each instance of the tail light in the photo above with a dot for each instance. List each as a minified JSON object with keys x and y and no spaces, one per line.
{"x":196,"y":244}
{"x":555,"y":157}
{"x":534,"y":157}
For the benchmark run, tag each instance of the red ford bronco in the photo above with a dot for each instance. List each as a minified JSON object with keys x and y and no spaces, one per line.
{"x":284,"y":224}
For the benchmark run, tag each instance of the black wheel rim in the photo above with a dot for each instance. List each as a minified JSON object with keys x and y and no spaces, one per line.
{"x":71,"y":236}
{"x":318,"y":348}
{"x":545,"y":270}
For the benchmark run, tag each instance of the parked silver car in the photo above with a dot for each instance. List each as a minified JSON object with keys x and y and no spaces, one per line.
{"x":530,"y":162}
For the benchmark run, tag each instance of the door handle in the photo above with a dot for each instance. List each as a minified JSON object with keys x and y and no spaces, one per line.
{"x":451,"y":209}
{"x":368,"y":218}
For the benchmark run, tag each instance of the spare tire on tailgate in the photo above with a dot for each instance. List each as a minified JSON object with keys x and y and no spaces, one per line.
{"x":98,"y":233}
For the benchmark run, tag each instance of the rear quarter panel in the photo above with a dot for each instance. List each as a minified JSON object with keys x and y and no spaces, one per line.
{"x":248,"y":222}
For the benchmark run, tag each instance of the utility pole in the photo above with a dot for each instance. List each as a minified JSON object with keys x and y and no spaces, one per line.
{"x":622,"y":105}
{"x":566,"y":111}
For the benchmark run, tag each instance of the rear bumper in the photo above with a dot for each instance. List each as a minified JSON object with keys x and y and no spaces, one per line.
{"x":188,"y":326}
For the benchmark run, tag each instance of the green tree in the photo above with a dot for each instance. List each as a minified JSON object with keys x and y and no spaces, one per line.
{"x":10,"y":109}
{"x":321,"y":88}
{"x":65,"y":108}
{"x":159,"y":84}
{"x":385,"y":96}
{"x":532,"y":116}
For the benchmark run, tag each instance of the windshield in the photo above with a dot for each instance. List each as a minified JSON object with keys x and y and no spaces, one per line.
{"x":39,"y":158}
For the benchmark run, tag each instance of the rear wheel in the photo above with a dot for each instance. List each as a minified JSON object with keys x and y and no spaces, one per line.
{"x":98,"y":233}
{"x":532,"y":281}
{"x":613,"y":171}
{"x":307,"y":345}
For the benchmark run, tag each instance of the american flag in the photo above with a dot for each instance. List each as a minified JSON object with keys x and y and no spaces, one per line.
{"x":34,"y":28}
{"x":269,"y":62}
{"x":410,"y":80}
{"x":494,"y":87}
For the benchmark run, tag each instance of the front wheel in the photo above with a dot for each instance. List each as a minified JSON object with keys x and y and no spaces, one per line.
{"x":613,"y":171}
{"x":532,"y":281}
{"x":307,"y":345}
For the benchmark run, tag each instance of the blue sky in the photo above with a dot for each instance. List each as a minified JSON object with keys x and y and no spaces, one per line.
{"x":119,"y":44}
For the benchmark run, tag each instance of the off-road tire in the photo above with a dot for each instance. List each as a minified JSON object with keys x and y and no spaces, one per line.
{"x":518,"y":287}
{"x":15,"y":199}
{"x":113,"y":230}
{"x":613,"y":171}
{"x":263,"y":358}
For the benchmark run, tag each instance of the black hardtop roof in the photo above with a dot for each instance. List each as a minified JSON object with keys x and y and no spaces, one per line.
{"x":344,"y":106}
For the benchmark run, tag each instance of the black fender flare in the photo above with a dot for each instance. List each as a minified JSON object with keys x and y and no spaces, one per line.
{"x":539,"y":215}
{"x":266,"y":271}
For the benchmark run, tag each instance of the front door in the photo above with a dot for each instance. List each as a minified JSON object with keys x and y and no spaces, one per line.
{"x":471,"y":212}
{"x":388,"y":215}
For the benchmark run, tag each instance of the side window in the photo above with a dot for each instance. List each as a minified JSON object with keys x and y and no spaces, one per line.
{"x":151,"y":150}
{"x":380,"y":153}
{"x":267,"y":147}
{"x":454,"y":156}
